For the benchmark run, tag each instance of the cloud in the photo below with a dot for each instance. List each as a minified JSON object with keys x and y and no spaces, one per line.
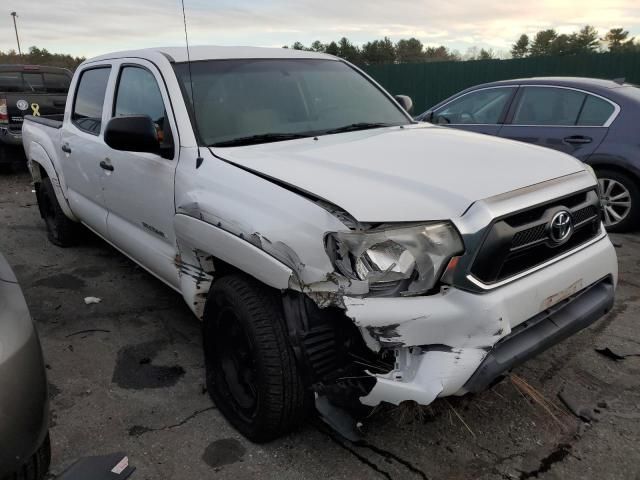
{"x":91,"y":27}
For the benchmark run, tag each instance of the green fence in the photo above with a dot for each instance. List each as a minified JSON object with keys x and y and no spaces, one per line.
{"x":428,"y":83}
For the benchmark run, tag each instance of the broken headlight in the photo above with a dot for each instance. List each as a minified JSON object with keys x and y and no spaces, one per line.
{"x":395,"y":260}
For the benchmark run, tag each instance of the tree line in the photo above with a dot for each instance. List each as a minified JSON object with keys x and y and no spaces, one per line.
{"x":37,"y":56}
{"x":586,"y":40}
{"x":412,"y":50}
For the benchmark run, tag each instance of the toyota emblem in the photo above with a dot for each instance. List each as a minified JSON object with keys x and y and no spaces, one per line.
{"x":561,"y":227}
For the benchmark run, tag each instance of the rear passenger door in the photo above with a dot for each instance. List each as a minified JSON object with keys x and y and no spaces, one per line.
{"x":481,"y":111}
{"x":139,"y":186}
{"x":82,"y":148}
{"x":565,"y":119}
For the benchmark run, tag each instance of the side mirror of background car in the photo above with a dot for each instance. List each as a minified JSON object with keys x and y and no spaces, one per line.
{"x":132,"y":133}
{"x":405,"y":102}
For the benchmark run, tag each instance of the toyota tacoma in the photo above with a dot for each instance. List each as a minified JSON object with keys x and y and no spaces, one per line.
{"x":337,"y":253}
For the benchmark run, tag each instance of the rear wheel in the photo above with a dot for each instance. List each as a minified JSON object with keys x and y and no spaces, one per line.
{"x":61,"y":231}
{"x":620,"y":198}
{"x":251,"y":371}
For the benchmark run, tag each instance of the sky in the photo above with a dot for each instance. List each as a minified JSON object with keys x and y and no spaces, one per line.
{"x":92,"y":27}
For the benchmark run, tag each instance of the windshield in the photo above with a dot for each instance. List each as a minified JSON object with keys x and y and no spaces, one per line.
{"x":256,"y":101}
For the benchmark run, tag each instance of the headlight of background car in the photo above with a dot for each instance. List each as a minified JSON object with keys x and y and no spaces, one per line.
{"x":405,"y":260}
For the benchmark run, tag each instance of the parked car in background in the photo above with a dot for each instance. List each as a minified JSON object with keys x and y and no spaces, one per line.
{"x":27,"y":90}
{"x":596,"y":121}
{"x":335,"y":249}
{"x":24,"y":406}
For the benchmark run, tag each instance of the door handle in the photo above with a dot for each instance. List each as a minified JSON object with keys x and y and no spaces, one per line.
{"x":66,"y":148}
{"x":105,"y":165}
{"x":577,"y":140}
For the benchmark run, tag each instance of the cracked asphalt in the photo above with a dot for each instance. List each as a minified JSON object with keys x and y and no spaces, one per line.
{"x":127,"y":375}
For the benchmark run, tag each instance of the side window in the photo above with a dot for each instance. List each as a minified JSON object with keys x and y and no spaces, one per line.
{"x":548,"y":106}
{"x":56,"y":82}
{"x":595,"y":112}
{"x":138,"y":94}
{"x":479,"y":107}
{"x":87,"y":107}
{"x":11,"y":82}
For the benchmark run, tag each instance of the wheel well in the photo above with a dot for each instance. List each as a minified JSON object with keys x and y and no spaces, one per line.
{"x":616,"y":168}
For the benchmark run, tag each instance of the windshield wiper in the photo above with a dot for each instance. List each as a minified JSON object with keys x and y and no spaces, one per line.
{"x":355,"y":127}
{"x":256,"y":139}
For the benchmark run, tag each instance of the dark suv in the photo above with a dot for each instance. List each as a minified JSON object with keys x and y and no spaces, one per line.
{"x":28,"y":90}
{"x":596,"y":121}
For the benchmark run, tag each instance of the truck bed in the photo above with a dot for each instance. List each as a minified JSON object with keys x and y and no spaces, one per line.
{"x":53,"y":121}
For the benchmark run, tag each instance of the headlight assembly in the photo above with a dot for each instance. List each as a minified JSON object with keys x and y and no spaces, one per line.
{"x":395,"y":260}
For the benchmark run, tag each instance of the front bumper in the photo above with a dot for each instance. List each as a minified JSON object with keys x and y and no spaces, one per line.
{"x":458,"y":341}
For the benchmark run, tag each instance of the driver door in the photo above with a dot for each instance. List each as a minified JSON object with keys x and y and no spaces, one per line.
{"x":139,"y":186}
{"x":480,"y":111}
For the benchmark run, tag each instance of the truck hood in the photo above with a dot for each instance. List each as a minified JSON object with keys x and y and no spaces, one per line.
{"x":416,"y":173}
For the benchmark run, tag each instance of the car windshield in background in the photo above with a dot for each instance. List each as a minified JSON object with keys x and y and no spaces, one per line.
{"x":244,"y":102}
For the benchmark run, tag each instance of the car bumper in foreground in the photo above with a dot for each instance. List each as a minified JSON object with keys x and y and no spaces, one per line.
{"x":23,"y":384}
{"x":457,"y":342}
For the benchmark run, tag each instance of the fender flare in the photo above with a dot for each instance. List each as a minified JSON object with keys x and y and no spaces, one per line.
{"x":38,"y":158}
{"x":200,"y":243}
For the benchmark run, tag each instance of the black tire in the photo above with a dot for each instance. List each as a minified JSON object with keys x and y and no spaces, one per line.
{"x":631,"y":220}
{"x":37,"y":466}
{"x":61,"y":231}
{"x":251,"y":371}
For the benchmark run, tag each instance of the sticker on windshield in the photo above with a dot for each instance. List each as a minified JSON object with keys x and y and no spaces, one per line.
{"x":22,"y":104}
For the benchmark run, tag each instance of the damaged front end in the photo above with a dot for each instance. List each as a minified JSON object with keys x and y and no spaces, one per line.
{"x":426,"y":327}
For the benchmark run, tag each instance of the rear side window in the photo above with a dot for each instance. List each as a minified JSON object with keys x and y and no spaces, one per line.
{"x":87,"y":107}
{"x":10,"y":82}
{"x":548,"y":106}
{"x":56,"y":82}
{"x":595,"y":112}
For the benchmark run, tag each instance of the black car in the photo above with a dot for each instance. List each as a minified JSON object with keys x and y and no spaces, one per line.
{"x":28,"y":90}
{"x":596,"y":121}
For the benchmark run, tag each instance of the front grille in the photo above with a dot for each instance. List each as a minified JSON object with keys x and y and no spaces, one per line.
{"x":521,"y":241}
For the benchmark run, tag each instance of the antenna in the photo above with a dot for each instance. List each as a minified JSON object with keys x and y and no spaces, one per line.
{"x":199,"y":160}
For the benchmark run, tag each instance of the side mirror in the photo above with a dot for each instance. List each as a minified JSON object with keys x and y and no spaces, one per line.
{"x":405,"y":102}
{"x":132,"y":133}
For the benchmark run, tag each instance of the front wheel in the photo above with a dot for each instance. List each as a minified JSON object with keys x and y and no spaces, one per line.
{"x":620,"y":198}
{"x":251,"y":370}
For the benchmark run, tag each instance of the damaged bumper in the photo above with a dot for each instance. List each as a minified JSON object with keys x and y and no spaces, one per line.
{"x":456,"y":341}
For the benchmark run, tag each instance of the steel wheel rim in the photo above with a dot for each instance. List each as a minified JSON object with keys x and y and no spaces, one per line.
{"x":236,"y":363}
{"x":616,"y":201}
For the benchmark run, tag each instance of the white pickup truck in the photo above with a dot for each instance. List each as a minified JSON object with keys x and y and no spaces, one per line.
{"x":335,"y":251}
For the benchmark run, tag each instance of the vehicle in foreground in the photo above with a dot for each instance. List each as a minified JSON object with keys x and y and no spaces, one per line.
{"x":334,"y":249}
{"x":593,"y":120}
{"x":24,"y":405}
{"x":28,"y":90}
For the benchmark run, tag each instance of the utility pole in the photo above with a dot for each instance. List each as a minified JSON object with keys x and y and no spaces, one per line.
{"x":15,"y":26}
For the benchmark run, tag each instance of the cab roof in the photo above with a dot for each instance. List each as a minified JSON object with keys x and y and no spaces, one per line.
{"x":211,"y":52}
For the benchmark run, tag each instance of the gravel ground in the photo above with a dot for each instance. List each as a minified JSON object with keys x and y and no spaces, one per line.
{"x":127,"y":375}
